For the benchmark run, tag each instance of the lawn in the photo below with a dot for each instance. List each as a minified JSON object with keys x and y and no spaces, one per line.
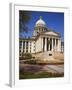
{"x":31,"y":75}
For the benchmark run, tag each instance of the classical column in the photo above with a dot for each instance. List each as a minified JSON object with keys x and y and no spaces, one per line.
{"x":42,"y":43}
{"x":28,"y":47}
{"x":52,"y":44}
{"x":49,"y":44}
{"x":59,"y":45}
{"x":25,"y":46}
{"x":45,"y":44}
{"x":55,"y":44}
{"x":22,"y":47}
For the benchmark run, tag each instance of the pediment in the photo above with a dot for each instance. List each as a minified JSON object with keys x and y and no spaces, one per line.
{"x":52,"y":33}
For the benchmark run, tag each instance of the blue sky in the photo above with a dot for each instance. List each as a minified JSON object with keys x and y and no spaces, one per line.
{"x":53,"y":20}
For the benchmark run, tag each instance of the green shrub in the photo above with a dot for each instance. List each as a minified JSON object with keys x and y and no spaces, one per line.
{"x":30,"y":75}
{"x":30,"y":62}
{"x":25,"y":56}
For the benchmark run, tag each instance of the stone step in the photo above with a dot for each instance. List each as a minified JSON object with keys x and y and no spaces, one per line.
{"x":45,"y":56}
{"x":49,"y":56}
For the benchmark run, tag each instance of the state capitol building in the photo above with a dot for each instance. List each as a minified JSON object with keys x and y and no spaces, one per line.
{"x":44,"y":41}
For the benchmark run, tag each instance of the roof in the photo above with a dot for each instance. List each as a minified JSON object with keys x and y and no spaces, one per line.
{"x":40,"y":22}
{"x":44,"y":33}
{"x":28,"y":39}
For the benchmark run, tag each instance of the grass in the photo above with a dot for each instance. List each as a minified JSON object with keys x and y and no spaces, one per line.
{"x":31,"y":75}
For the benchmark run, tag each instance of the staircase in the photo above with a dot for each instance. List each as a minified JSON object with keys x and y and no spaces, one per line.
{"x":45,"y":56}
{"x":50,"y":57}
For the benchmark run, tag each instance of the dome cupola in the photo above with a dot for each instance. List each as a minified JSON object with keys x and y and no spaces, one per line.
{"x":40,"y":27}
{"x":40,"y":22}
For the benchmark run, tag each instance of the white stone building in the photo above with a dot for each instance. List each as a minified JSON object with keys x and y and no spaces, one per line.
{"x":43,"y":40}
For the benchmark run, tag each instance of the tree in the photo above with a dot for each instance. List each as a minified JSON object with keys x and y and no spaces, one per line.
{"x":24,"y":18}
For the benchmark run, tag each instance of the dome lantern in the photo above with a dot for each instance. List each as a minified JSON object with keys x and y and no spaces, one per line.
{"x":40,"y":17}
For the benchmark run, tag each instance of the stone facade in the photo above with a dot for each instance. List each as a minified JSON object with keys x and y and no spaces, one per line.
{"x":43,"y":40}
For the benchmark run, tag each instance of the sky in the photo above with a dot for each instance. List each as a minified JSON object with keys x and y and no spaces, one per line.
{"x":53,"y":20}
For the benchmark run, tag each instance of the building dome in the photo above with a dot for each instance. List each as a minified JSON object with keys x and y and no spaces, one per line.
{"x":40,"y":22}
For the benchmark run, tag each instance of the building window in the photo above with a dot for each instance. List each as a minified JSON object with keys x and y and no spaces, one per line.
{"x":19,"y":50}
{"x":30,"y":44}
{"x":42,"y":29}
{"x":30,"y":50}
{"x":20,"y":54}
{"x":19,"y":47}
{"x":23,"y":44}
{"x":26,"y":50}
{"x":43,"y":43}
{"x":37,"y":32}
{"x":39,"y":29}
{"x":34,"y":42}
{"x":34,"y":49}
{"x":34,"y":46}
{"x":56,"y":41}
{"x":20,"y":43}
{"x":27,"y":43}
{"x":26,"y":47}
{"x":23,"y":50}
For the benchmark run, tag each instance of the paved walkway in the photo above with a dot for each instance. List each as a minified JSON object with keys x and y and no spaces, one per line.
{"x":55,"y":68}
{"x":38,"y":68}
